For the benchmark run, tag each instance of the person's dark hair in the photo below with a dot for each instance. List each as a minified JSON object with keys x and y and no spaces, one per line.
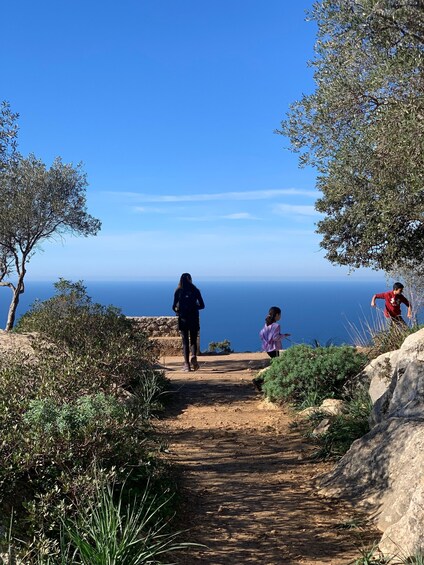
{"x":397,"y":286}
{"x":272,"y":314}
{"x":185,"y":281}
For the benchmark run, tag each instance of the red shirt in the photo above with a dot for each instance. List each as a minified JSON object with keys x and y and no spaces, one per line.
{"x":392,"y":303}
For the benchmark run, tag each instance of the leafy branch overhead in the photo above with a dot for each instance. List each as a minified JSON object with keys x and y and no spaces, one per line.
{"x":363,"y":129}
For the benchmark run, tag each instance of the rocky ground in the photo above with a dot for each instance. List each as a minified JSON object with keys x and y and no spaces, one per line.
{"x":249,"y":481}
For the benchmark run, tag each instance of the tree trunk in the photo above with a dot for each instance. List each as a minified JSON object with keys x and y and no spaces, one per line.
{"x":12,"y":309}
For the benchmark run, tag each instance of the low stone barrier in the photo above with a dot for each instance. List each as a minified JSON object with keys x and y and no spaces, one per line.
{"x":157,"y":326}
{"x":163,"y":330}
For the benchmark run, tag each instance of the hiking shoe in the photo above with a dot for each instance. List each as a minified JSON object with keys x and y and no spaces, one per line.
{"x":186,"y":368}
{"x":257,"y":383}
{"x":194,"y":363}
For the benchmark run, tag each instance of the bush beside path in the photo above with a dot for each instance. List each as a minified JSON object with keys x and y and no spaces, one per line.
{"x":248,"y":480}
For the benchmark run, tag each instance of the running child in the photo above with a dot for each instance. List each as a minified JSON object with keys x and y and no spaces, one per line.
{"x":393,"y":299}
{"x":270,"y":334}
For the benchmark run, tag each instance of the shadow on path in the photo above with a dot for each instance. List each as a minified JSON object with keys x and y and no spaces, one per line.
{"x":248,"y":481}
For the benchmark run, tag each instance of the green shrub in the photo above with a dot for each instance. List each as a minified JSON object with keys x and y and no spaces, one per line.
{"x":52,"y":436}
{"x":373,"y":556}
{"x":220,"y":346}
{"x":345,"y":428}
{"x":389,"y":338}
{"x":111,"y":531}
{"x":98,"y":340}
{"x":69,"y":419}
{"x":85,"y":401}
{"x":305,"y":375}
{"x":115,"y":526}
{"x":71,"y":320}
{"x":379,"y":335}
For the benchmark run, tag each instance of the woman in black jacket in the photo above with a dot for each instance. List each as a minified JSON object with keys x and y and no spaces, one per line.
{"x":187,"y":303}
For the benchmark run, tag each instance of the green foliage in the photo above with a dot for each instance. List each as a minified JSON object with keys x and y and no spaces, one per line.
{"x":85,"y":401}
{"x":104,"y":341}
{"x":36,"y":204}
{"x":72,"y":319}
{"x":363,"y":130}
{"x":115,"y":526}
{"x":8,"y":133}
{"x":305,"y":375}
{"x":109,"y":531}
{"x":390,"y":338}
{"x":69,"y":419}
{"x":220,"y":346}
{"x":345,"y":428}
{"x":378,"y":335}
{"x":317,"y":343}
{"x":53,"y":434}
{"x":373,"y":556}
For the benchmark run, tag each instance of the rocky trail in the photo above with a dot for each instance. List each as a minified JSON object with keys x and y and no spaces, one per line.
{"x":248,"y":478}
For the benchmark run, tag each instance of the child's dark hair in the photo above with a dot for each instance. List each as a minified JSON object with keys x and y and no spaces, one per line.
{"x":272,"y":314}
{"x":398,"y":286}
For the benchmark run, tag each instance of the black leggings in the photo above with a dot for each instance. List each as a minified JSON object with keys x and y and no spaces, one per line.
{"x":189,"y":337}
{"x":274,"y":353}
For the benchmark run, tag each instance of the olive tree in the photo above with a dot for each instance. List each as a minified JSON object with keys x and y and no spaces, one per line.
{"x":8,"y":133}
{"x":363,"y":129}
{"x":36,"y":204}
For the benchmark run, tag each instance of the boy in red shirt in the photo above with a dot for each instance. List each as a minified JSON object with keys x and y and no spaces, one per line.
{"x":393,"y":299}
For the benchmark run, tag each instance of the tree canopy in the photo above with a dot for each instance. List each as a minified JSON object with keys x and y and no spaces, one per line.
{"x":363,"y":129}
{"x":36,"y":204}
{"x":8,"y":133}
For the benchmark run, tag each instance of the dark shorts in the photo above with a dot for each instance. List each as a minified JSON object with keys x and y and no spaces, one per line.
{"x":189,"y":324}
{"x":398,"y":321}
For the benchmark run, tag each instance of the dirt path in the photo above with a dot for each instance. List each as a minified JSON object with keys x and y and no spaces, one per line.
{"x":248,"y":479}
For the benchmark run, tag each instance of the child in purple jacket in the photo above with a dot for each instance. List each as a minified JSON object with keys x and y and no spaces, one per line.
{"x":270,"y":334}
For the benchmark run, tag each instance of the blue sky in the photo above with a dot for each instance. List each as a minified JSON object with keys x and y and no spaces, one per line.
{"x":172,"y":107}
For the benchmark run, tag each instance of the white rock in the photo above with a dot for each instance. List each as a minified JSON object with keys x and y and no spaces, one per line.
{"x":383,"y":472}
{"x":332,"y":406}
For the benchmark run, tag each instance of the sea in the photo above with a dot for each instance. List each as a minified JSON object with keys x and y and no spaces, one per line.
{"x":321,"y":312}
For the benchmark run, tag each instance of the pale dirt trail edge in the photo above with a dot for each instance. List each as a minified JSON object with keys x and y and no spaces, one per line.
{"x":248,"y":480}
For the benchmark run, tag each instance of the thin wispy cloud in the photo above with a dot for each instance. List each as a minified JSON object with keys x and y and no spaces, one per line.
{"x":295,"y":210}
{"x":208,"y":197}
{"x":239,"y":216}
{"x":153,"y":210}
{"x":143,"y":240}
{"x":213,"y":218}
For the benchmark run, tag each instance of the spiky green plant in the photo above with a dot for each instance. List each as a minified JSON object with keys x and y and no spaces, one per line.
{"x":109,"y":532}
{"x":377,"y":335}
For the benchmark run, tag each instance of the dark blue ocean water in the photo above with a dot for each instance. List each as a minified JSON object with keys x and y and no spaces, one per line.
{"x":322,"y":311}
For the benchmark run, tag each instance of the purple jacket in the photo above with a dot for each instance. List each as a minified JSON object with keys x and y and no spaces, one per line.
{"x":271,"y":337}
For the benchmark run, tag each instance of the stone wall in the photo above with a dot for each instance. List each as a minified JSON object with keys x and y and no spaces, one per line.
{"x":157,"y":326}
{"x":163,"y":330}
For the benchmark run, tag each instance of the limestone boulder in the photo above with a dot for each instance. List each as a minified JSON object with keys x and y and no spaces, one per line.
{"x":380,"y":372}
{"x":412,"y":350}
{"x":404,"y":395}
{"x":383,"y":472}
{"x":407,"y":399}
{"x":406,"y":537}
{"x":329,"y":406}
{"x":322,"y":428}
{"x":332,"y":406}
